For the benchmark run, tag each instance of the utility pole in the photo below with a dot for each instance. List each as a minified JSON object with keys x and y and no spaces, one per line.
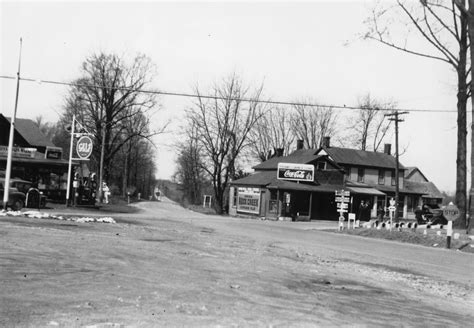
{"x":394,"y":117}
{"x":10,"y":139}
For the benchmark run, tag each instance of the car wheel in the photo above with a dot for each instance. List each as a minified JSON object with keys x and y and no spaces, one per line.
{"x":18,"y":204}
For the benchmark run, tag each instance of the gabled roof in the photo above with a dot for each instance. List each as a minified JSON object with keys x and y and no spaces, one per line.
{"x":256,"y":179}
{"x":412,"y":170}
{"x":347,"y":156}
{"x":301,"y":156}
{"x":31,"y":132}
{"x":428,"y":189}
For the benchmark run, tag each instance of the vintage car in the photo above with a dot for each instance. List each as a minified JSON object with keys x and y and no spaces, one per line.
{"x":16,"y":198}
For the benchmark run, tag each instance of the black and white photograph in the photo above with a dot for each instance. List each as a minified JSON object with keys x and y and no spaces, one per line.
{"x":236,"y":163}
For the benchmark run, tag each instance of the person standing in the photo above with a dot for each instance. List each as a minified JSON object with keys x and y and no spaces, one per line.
{"x":106,"y":192}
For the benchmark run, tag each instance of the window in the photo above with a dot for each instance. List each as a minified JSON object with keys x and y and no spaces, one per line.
{"x":234,"y":199}
{"x":381,"y":177}
{"x":394,"y":178}
{"x":320,"y":165}
{"x":348,"y":172}
{"x":360,"y":174}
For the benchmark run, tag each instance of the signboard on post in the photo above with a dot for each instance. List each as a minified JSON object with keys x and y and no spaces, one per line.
{"x":248,"y":200}
{"x":295,"y":172}
{"x":451,"y":213}
{"x":84,"y":147}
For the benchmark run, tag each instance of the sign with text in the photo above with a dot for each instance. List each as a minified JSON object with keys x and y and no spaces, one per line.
{"x":18,"y":152}
{"x":295,"y":172}
{"x":84,"y":147}
{"x":248,"y":200}
{"x":53,"y":153}
{"x":451,"y":212}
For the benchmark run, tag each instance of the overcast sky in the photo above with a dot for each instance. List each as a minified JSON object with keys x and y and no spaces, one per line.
{"x":307,"y":49}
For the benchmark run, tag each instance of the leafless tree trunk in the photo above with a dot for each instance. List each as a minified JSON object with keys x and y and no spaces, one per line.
{"x":443,"y":25}
{"x":311,"y":123}
{"x":272,"y":131}
{"x":223,"y":125}
{"x":370,"y":125}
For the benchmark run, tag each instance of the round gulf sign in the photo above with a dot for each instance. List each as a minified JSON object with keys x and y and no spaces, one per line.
{"x":451,"y":212}
{"x":84,"y":147}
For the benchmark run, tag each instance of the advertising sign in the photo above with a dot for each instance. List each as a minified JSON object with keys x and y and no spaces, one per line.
{"x":296,"y":172}
{"x":248,"y":200}
{"x":18,"y":152}
{"x":84,"y":147}
{"x":53,"y":153}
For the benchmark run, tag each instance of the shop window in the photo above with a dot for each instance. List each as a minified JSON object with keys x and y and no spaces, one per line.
{"x":273,"y":194}
{"x":381,"y":177}
{"x":360,"y":174}
{"x":321,"y":165}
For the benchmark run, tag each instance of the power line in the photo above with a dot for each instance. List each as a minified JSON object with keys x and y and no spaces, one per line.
{"x":190,"y":95}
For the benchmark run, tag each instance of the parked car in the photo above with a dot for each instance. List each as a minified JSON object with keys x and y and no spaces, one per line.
{"x":16,"y":198}
{"x":25,"y":186}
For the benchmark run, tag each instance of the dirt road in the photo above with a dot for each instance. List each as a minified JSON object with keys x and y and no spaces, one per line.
{"x":167,"y":266}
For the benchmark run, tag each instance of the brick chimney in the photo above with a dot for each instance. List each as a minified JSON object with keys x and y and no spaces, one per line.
{"x":326,"y":142}
{"x":387,"y":149}
{"x":299,"y":144}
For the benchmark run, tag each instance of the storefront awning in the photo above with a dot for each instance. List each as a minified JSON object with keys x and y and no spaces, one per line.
{"x":290,"y":185}
{"x":366,"y":191}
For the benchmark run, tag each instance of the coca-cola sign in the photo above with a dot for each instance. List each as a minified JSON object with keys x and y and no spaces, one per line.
{"x":295,"y":172}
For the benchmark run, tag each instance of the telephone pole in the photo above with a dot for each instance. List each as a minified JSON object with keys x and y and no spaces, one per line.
{"x":395,"y":117}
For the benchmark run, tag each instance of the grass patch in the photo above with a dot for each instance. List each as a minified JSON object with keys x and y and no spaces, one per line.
{"x":430,"y":239}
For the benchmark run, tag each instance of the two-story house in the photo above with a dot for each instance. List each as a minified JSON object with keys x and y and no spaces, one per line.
{"x":280,"y":186}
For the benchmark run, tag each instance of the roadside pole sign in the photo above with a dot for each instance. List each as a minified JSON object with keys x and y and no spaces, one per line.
{"x":342,"y":199}
{"x":342,"y":210}
{"x":342,"y":205}
{"x":451,"y":213}
{"x":84,"y":147}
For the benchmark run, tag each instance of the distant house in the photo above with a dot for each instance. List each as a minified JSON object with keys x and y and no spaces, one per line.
{"x":417,"y":182}
{"x":280,"y":186}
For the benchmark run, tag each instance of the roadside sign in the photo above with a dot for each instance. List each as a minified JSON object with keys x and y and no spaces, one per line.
{"x":343,"y":193}
{"x":341,"y":210}
{"x":342,"y":205}
{"x":392,"y":208}
{"x":341,"y":199}
{"x":84,"y":147}
{"x":451,"y":212}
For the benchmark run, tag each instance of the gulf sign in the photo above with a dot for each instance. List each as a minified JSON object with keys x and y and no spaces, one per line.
{"x":84,"y":147}
{"x":296,"y":172}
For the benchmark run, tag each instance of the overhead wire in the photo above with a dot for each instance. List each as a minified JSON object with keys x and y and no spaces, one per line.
{"x":201,"y":96}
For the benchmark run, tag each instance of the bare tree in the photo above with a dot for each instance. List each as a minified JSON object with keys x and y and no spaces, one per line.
{"x":47,"y":128}
{"x":370,"y":125}
{"x":223,"y":125}
{"x":189,"y":170}
{"x":312,"y":123}
{"x":272,"y":131}
{"x":444,"y":28}
{"x":108,"y":97}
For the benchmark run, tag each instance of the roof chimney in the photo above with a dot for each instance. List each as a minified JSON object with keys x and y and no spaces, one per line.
{"x":279,"y":152}
{"x":387,"y":149}
{"x":326,"y":142}
{"x":299,"y":144}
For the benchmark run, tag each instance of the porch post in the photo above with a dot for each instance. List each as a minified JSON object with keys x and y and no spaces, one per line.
{"x":278,"y":203}
{"x":374,"y":213}
{"x":310,"y":204}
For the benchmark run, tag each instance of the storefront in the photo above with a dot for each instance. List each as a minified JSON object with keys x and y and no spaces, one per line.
{"x":34,"y":158}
